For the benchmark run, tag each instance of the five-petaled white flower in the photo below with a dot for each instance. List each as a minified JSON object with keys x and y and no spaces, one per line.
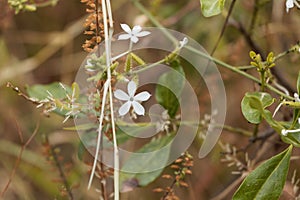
{"x":132,"y":34}
{"x":131,"y":99}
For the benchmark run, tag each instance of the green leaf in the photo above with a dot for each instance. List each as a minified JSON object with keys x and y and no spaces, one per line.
{"x":298,"y":83}
{"x":267,"y":180}
{"x":169,"y":88}
{"x":146,"y":163}
{"x":40,"y":91}
{"x":133,"y":130}
{"x":291,"y":138}
{"x":53,"y":90}
{"x":296,"y":116}
{"x":89,"y":135}
{"x":75,"y":90}
{"x":80,"y":127}
{"x":253,"y":105}
{"x":212,"y":7}
{"x":267,"y":115}
{"x":81,"y":150}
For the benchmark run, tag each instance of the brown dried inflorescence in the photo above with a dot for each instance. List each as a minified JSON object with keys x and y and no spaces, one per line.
{"x":182,"y":167}
{"x":93,"y":24}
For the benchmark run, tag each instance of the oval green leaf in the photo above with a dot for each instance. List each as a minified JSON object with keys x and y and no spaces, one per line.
{"x":253,"y":105}
{"x":267,"y":180}
{"x":148,"y":162}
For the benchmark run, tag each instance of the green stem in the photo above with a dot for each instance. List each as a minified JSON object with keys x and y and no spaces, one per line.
{"x":234,"y":130}
{"x":146,"y":67}
{"x":262,"y":80}
{"x":46,"y":3}
{"x":219,"y":62}
{"x":255,"y":131}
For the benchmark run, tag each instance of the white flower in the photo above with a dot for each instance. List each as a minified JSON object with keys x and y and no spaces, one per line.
{"x":132,"y":34}
{"x":296,"y":96}
{"x":183,"y":42}
{"x":297,"y":99}
{"x":291,"y":3}
{"x":131,"y":99}
{"x":284,"y":132}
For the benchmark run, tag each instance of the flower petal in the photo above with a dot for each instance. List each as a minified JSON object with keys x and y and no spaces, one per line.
{"x":289,"y":4}
{"x":134,"y":39}
{"x":124,"y":37}
{"x":183,"y":42}
{"x":121,"y":95}
{"x":138,"y":108}
{"x":143,"y":96}
{"x":143,"y":33}
{"x":136,"y":29}
{"x":131,"y":87}
{"x":88,"y":62}
{"x":126,"y":28}
{"x":124,"y":109}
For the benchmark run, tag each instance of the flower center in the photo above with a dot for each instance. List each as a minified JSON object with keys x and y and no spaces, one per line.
{"x":131,"y":99}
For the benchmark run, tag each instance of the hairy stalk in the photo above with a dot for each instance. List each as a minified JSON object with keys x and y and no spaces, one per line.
{"x":60,"y":170}
{"x":168,"y":192}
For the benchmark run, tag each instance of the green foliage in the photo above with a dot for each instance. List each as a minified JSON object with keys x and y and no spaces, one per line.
{"x":298,"y":83}
{"x":20,"y":5}
{"x":41,"y":92}
{"x":212,"y":7}
{"x":28,"y":5}
{"x":169,"y":88}
{"x":253,"y":105}
{"x":267,"y":180}
{"x":155,"y":161}
{"x":292,"y":138}
{"x":55,"y":97}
